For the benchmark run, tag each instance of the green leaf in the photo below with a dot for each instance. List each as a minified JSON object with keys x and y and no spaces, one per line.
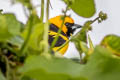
{"x":90,"y":43}
{"x":112,"y":42}
{"x":84,"y":8}
{"x":1,"y":76}
{"x":84,"y":47}
{"x":17,"y":41}
{"x":102,"y":65}
{"x":36,"y":36}
{"x":9,"y":26}
{"x":81,"y":36}
{"x":42,"y":68}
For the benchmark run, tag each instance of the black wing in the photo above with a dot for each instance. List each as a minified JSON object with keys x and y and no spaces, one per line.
{"x":60,"y":40}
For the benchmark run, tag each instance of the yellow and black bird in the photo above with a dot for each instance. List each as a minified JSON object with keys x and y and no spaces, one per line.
{"x":67,"y":30}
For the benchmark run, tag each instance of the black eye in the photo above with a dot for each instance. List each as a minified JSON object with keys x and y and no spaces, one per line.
{"x":69,"y":24}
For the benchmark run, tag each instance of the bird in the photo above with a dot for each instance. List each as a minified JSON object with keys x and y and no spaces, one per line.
{"x":68,"y":28}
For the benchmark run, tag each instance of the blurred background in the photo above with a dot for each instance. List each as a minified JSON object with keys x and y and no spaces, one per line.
{"x":110,"y":26}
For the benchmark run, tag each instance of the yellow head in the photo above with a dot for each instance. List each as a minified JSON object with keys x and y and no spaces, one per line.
{"x":58,"y":22}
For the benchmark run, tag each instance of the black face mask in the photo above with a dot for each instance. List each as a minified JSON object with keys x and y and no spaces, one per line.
{"x":71,"y":28}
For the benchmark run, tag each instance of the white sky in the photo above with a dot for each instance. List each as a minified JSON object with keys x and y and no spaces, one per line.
{"x":110,"y":26}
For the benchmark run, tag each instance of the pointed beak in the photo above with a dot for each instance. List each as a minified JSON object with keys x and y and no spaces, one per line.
{"x":77,"y":25}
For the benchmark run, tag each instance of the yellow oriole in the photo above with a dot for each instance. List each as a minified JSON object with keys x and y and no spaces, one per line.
{"x":67,"y":30}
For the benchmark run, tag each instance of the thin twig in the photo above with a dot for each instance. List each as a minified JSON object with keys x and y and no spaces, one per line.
{"x":63,"y":45}
{"x":51,"y":6}
{"x":42,"y":10}
{"x":24,"y":46}
{"x":25,"y":12}
{"x":95,"y":20}
{"x":7,"y":68}
{"x":47,"y":10}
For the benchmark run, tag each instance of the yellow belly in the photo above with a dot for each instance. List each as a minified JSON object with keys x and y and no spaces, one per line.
{"x":62,"y":50}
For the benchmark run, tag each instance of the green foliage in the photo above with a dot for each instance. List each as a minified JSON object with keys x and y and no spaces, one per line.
{"x":9,"y":27}
{"x":90,"y":43}
{"x":80,"y":39}
{"x":101,"y":66}
{"x":36,"y":33}
{"x":24,"y":50}
{"x":84,"y":8}
{"x":112,"y":42}
{"x":51,"y":68}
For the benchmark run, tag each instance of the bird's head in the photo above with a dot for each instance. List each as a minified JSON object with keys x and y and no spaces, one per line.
{"x":68,"y":27}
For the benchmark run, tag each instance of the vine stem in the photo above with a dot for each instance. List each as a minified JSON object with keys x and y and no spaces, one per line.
{"x":7,"y":68}
{"x":42,"y":10}
{"x":45,"y":37}
{"x":24,"y":46}
{"x":47,"y":10}
{"x":95,"y":20}
{"x":46,"y":29}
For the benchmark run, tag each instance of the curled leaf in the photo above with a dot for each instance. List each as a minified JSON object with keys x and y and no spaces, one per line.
{"x":112,"y":42}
